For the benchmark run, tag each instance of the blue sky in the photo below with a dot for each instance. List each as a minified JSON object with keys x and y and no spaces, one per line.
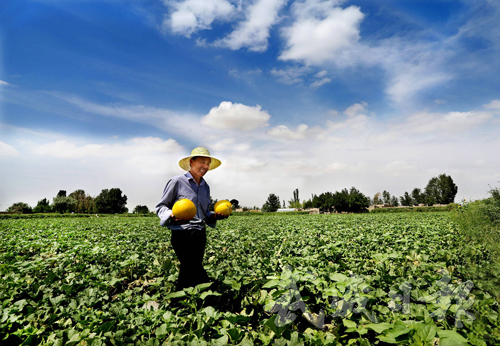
{"x":316,"y":95}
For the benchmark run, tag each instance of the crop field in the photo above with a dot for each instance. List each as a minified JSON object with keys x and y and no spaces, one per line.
{"x":372,"y":279}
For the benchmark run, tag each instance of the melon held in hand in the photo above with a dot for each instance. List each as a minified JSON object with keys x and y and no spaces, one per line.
{"x":223,"y":207}
{"x":184,"y":209}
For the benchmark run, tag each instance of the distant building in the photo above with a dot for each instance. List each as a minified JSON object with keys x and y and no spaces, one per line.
{"x":285,"y":210}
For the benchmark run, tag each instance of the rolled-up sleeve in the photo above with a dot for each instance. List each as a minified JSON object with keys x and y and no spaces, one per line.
{"x":164,"y":207}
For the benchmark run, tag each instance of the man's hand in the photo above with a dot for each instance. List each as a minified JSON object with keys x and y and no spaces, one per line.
{"x":216,"y":216}
{"x":174,"y":219}
{"x":219,"y":216}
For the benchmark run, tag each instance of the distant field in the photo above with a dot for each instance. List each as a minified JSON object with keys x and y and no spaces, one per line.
{"x":371,"y":279}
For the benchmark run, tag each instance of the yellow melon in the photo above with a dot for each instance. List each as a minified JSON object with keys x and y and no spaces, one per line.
{"x":223,"y":207}
{"x":184,"y":209}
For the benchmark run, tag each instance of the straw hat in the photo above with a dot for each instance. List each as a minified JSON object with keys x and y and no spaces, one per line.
{"x":200,"y":151}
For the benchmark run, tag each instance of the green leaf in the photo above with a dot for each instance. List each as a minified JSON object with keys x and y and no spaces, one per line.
{"x":379,"y":327}
{"x":178,"y":294}
{"x":203,"y":286}
{"x":349,"y":323}
{"x":271,"y":283}
{"x":223,"y":341}
{"x":209,"y":293}
{"x":450,"y":337}
{"x":161,"y":331}
{"x":338,"y":277}
{"x":427,"y":331}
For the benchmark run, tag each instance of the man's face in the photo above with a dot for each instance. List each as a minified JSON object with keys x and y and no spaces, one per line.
{"x":200,"y":166}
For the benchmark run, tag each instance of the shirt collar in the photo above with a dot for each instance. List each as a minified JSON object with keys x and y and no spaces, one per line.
{"x":190,"y":177}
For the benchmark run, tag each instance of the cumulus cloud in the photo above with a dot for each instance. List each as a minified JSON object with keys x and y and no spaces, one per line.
{"x":356,"y":119}
{"x":236,"y":116}
{"x":253,"y":32}
{"x":7,"y":150}
{"x":190,"y":16}
{"x":283,"y":131}
{"x":320,"y":31}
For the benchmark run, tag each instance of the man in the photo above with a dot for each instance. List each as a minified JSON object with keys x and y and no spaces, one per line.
{"x":189,"y":237}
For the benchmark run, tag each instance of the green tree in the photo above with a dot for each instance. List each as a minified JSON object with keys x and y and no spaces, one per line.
{"x":61,"y":193}
{"x":406,"y":200}
{"x":417,"y":196}
{"x":295,"y":201}
{"x":351,"y":201}
{"x":307,"y":204}
{"x":141,"y":209}
{"x":325,"y":202}
{"x":43,"y":206}
{"x":62,"y":204}
{"x":20,"y":207}
{"x":80,"y":201}
{"x":111,"y":202}
{"x":272,"y":204}
{"x":441,"y":190}
{"x":386,"y":197}
{"x":394,"y":201}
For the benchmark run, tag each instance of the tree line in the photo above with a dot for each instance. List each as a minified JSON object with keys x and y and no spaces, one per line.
{"x":109,"y":201}
{"x":439,"y":190}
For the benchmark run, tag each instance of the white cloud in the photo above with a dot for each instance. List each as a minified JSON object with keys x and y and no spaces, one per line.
{"x":244,"y":74}
{"x":291,"y":75}
{"x":398,"y":167}
{"x":135,"y":113}
{"x":283,"y":131}
{"x":356,"y":119}
{"x":186,"y":125}
{"x":320,"y":31}
{"x":190,"y":16}
{"x":336,"y":166}
{"x":7,"y":150}
{"x":253,"y":32}
{"x":3,"y":83}
{"x":450,"y":122}
{"x":134,"y":147}
{"x":494,"y":105}
{"x":237,"y":116}
{"x":320,"y":82}
{"x":413,"y":78}
{"x":321,"y":74}
{"x":355,"y":109}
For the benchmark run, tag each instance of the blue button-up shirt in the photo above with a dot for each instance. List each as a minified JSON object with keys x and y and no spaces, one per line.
{"x":184,"y":186}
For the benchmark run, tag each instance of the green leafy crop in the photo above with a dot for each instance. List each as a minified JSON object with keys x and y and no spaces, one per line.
{"x":371,"y":279}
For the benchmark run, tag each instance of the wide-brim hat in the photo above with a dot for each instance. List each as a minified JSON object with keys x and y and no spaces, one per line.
{"x":200,"y":151}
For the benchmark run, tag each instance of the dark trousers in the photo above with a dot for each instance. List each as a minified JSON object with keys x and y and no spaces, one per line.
{"x":189,"y":246}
